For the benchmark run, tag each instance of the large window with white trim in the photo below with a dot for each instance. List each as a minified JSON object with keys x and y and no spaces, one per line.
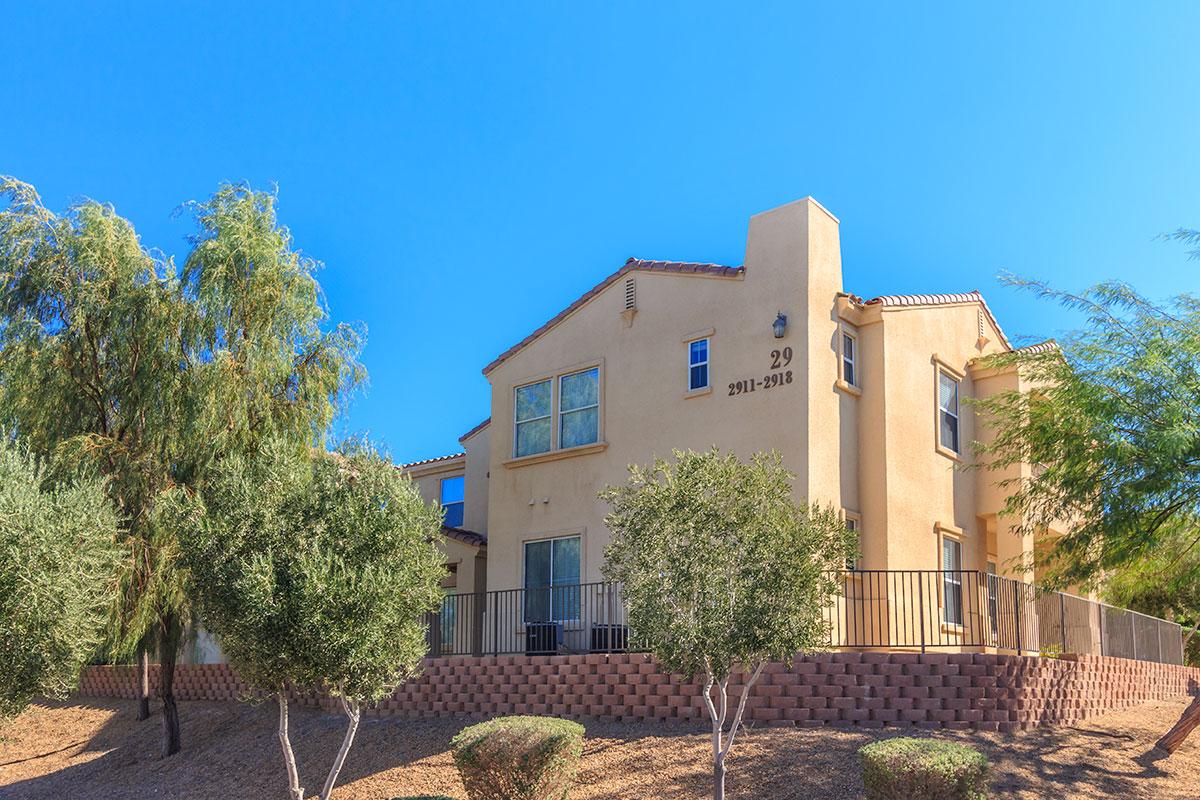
{"x":552,"y":580}
{"x":948,"y":420}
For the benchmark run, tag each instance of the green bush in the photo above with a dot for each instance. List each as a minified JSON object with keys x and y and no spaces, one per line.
{"x":923,"y":769}
{"x":519,"y":758}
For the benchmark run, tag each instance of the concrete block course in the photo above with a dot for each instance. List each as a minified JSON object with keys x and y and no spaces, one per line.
{"x":952,"y":690}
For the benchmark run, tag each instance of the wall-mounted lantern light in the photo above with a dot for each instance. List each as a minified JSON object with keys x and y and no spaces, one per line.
{"x":780,"y":325}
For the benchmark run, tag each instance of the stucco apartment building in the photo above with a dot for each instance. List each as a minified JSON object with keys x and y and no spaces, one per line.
{"x":864,"y":398}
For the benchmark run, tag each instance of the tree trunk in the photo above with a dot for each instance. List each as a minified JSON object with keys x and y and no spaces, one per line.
{"x":352,"y":711}
{"x":295,"y":790}
{"x":143,"y":680}
{"x":719,"y":778}
{"x":1187,"y":723}
{"x":168,"y":650}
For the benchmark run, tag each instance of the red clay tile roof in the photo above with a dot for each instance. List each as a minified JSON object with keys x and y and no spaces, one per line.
{"x":431,"y":460}
{"x":907,"y":300}
{"x":465,"y":536}
{"x":475,"y":430}
{"x":631,"y":265}
{"x":1041,"y":347}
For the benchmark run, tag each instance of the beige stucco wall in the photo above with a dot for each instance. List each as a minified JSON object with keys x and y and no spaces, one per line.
{"x":871,"y":452}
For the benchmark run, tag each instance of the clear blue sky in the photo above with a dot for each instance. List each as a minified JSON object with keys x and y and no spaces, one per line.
{"x":465,"y":171}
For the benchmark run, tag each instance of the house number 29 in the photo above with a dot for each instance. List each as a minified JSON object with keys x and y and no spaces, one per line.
{"x":779,"y":376}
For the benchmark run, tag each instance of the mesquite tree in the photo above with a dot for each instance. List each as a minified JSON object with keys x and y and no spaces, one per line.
{"x":723,"y":570}
{"x":58,"y":573}
{"x":1112,"y":419}
{"x":315,"y":570}
{"x":113,"y":360}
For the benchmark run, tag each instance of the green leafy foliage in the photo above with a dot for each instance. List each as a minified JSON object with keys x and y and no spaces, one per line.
{"x":1112,"y":419}
{"x":720,"y":565}
{"x":1165,"y":583}
{"x":116,"y":362}
{"x":58,"y":570}
{"x":314,"y":570}
{"x":519,"y":758}
{"x":722,"y":569}
{"x":923,"y":769}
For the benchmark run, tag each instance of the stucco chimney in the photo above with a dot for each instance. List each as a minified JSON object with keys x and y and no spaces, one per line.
{"x":794,"y":261}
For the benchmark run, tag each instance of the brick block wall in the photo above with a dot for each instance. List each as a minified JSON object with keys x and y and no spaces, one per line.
{"x":930,"y":690}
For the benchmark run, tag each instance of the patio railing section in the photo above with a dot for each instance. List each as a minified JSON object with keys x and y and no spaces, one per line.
{"x":876,"y":609}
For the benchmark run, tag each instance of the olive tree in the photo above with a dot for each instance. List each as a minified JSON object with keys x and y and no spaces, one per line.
{"x":723,"y":570}
{"x":58,"y":572}
{"x":314,"y":571}
{"x":114,"y":360}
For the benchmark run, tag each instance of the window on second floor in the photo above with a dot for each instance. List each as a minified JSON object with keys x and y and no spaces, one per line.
{"x":849,"y":359}
{"x":571,"y":400}
{"x":698,"y":365}
{"x":579,"y":408}
{"x":452,"y":501}
{"x":948,"y":427}
{"x":533,"y":413}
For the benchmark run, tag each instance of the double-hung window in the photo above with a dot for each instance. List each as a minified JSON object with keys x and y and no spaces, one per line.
{"x":452,"y":501}
{"x":557,"y":413}
{"x":952,"y":593}
{"x":697,"y":365}
{"x":948,"y":422}
{"x":854,"y":563}
{"x":579,"y":408}
{"x":533,"y":419}
{"x":552,"y":580}
{"x":849,"y":359}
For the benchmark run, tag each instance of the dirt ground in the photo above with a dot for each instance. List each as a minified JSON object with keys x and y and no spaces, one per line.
{"x":230,"y":752}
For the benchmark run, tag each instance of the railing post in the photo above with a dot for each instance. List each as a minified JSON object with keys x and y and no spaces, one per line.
{"x":1017,"y":612}
{"x":921,"y":605}
{"x":1062,"y":620}
{"x":495,"y":624}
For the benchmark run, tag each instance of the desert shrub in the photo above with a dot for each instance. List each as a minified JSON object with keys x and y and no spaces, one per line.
{"x":923,"y":769}
{"x":519,"y":758}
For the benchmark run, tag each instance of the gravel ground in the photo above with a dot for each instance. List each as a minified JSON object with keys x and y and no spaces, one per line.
{"x":230,"y":752}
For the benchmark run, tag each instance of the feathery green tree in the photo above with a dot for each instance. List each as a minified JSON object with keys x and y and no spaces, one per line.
{"x":315,"y":570}
{"x":112,"y":359}
{"x":723,"y":570}
{"x":58,"y":573}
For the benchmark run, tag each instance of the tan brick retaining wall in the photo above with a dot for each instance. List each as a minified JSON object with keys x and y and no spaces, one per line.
{"x":959,"y":690}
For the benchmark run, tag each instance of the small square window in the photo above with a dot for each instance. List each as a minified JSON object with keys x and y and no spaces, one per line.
{"x":948,"y":428}
{"x":698,"y":365}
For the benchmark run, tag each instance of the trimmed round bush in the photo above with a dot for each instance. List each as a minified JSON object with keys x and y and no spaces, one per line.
{"x":923,"y":769}
{"x":519,"y":758}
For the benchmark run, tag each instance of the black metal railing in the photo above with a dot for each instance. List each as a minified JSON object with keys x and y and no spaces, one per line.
{"x":876,"y":609}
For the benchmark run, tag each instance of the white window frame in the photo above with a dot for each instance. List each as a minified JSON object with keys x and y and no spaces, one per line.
{"x":525,"y":575}
{"x":942,"y":372}
{"x":856,"y":380}
{"x":706,"y":363}
{"x":951,"y":578}
{"x":556,"y":404}
{"x":549,"y":416}
{"x":853,"y":522}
